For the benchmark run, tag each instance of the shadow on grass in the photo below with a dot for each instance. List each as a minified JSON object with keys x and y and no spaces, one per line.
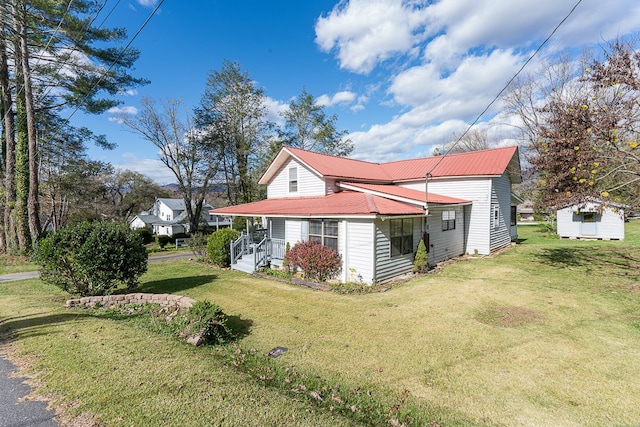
{"x":611,"y":261}
{"x":175,"y":285}
{"x":34,"y":325}
{"x":239,"y":326}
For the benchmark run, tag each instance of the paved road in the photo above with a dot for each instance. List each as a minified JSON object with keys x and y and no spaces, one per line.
{"x":13,"y":412}
{"x":35,"y":274}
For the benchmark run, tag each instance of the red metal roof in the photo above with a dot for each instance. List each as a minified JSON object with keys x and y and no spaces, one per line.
{"x":492,"y":162}
{"x":340,"y":167}
{"x":404,"y":193}
{"x":344,"y":203}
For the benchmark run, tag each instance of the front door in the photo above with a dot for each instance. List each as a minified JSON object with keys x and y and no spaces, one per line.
{"x":588,"y":225}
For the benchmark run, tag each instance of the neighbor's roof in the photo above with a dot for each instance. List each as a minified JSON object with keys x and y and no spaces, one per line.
{"x":344,"y":203}
{"x":492,"y":162}
{"x":178,"y":204}
{"x":147,"y":219}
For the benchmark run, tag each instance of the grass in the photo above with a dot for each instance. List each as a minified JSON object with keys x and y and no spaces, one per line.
{"x":546,"y":333}
{"x":16,"y":264}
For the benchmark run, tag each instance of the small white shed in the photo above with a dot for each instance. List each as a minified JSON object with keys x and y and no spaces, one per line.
{"x":592,"y":221}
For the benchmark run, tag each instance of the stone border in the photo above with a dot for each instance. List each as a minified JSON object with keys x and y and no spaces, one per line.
{"x":167,"y":300}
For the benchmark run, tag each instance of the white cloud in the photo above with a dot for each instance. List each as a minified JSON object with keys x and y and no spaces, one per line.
{"x":118,"y":112}
{"x":364,"y":32}
{"x":129,"y":109}
{"x":451,"y":58}
{"x":152,"y":168}
{"x":147,"y":3}
{"x":343,"y":97}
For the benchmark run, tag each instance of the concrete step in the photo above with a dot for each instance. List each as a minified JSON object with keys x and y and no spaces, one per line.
{"x":244,"y":264}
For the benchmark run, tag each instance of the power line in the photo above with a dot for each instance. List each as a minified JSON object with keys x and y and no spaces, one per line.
{"x":539,"y":48}
{"x":122,"y":52}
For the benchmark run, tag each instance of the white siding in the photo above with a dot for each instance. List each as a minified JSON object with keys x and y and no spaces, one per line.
{"x":478,"y":216}
{"x":357,"y":241}
{"x":608,"y":225}
{"x":277,"y":228}
{"x":447,"y":244}
{"x":386,"y":267}
{"x":137,"y":223}
{"x":501,"y":199}
{"x":309,"y":184}
{"x":293,"y":231}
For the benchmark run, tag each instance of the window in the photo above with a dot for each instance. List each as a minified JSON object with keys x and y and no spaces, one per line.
{"x":496,"y":216}
{"x":401,"y":236}
{"x":448,"y":220}
{"x":293,"y":180}
{"x":325,"y":232}
{"x":514,"y":216}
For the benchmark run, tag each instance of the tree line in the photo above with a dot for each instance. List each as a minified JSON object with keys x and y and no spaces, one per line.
{"x":55,"y":61}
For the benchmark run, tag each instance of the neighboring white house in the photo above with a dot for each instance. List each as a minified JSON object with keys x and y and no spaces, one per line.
{"x":169,"y":217}
{"x":593,"y":220}
{"x":374,"y":214}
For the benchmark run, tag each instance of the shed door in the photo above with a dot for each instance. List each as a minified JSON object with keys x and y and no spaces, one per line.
{"x":588,"y":225}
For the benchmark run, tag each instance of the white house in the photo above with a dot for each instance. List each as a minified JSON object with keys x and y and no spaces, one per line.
{"x":169,"y":217}
{"x":593,"y":220}
{"x":374,"y":214}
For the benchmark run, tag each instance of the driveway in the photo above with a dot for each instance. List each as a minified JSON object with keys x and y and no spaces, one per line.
{"x":35,"y":274}
{"x":14,"y":411}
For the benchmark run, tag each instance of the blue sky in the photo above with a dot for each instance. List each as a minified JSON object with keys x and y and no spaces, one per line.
{"x":402,"y":76}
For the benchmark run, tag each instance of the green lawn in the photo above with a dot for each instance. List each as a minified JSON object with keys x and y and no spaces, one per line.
{"x":546,"y":333}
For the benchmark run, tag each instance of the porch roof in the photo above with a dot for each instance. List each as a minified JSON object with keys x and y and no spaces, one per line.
{"x":402,"y":194}
{"x":343,"y":203}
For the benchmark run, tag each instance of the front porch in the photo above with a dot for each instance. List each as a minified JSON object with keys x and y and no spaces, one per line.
{"x":255,"y":250}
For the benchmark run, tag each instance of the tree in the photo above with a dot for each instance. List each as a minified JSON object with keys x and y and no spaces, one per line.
{"x":232,"y":116}
{"x":582,"y":128}
{"x":129,"y":193}
{"x":307,"y":127}
{"x":471,"y":140}
{"x":191,"y":155}
{"x":52,"y":58}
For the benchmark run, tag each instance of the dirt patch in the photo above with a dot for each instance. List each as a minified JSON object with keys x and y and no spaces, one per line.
{"x":508,"y":316}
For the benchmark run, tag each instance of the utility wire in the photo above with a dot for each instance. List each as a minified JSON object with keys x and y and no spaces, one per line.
{"x":122,"y":52}
{"x":505,"y":86}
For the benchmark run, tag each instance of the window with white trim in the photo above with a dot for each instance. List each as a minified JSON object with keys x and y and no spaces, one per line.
{"x":325,"y":232}
{"x":401,"y":236}
{"x":448,"y":220}
{"x":496,"y":216}
{"x":293,"y":180}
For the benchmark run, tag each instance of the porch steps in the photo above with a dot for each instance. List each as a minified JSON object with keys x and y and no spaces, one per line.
{"x":244,"y":264}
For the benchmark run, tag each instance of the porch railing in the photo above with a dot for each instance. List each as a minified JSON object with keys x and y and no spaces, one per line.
{"x":261,"y":252}
{"x":239,"y":248}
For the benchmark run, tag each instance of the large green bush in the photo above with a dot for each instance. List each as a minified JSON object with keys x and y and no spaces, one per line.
{"x":218,"y":248}
{"x":92,"y":258}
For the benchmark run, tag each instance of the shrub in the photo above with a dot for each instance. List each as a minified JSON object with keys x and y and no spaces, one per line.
{"x":218,"y":246}
{"x":198,"y":245}
{"x":209,"y":320}
{"x":92,"y":258}
{"x":146,"y":234}
{"x":162,"y":240}
{"x":420,"y":262}
{"x":173,"y":237}
{"x":316,"y":261}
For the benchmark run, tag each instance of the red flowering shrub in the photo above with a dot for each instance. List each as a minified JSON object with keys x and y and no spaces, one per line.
{"x":315,"y":260}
